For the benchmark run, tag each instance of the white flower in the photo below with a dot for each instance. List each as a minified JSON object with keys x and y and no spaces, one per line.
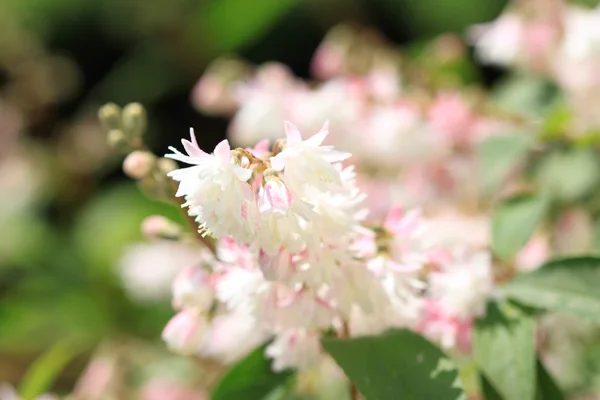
{"x":264,"y":101}
{"x":237,"y":286}
{"x":216,"y":191}
{"x":147,"y":270}
{"x":338,"y":214}
{"x":281,"y":307}
{"x":280,"y":267}
{"x":396,"y":134}
{"x":464,"y":286}
{"x":193,"y":288}
{"x":356,"y":286}
{"x":295,"y":348}
{"x":231,"y":336}
{"x":282,"y":215}
{"x":306,"y":162}
{"x":499,"y":42}
{"x":582,"y":34}
{"x":186,"y":332}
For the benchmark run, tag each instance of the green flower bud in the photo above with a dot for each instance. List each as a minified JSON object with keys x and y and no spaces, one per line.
{"x":110,"y":116}
{"x":134,"y":120}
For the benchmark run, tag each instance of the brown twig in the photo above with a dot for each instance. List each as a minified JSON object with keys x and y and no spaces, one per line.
{"x":345,"y":334}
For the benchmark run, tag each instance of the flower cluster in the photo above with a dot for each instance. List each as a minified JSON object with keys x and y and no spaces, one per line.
{"x":418,"y":146}
{"x":554,"y":41}
{"x":295,"y":258}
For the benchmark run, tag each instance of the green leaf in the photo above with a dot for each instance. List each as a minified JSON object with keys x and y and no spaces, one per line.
{"x":526,"y":95}
{"x":398,"y":364}
{"x":568,"y":285}
{"x":556,"y":122}
{"x":232,"y":23}
{"x":428,"y":18}
{"x":250,"y":379}
{"x":498,"y":156}
{"x":569,"y":175}
{"x":44,"y":371}
{"x":505,"y":351}
{"x":513,"y":223}
{"x":488,"y":391}
{"x":547,"y":389}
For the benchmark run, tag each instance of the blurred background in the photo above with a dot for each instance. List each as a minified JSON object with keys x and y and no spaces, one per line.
{"x":67,"y":213}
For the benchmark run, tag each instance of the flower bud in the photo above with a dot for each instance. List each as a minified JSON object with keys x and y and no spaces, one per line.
{"x":134,"y":119}
{"x":116,"y":139}
{"x":110,"y":116}
{"x":186,"y":332}
{"x":166,"y":165}
{"x":277,"y":194}
{"x":193,"y":289}
{"x":159,"y":227}
{"x":138,"y":164}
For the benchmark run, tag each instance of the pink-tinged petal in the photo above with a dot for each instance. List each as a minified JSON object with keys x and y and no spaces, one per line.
{"x":393,"y":219}
{"x":439,"y":257}
{"x":261,"y":148}
{"x":333,"y":156}
{"x":318,"y":138}
{"x":278,"y":162}
{"x":244,"y":211}
{"x":177,"y":155}
{"x":292,"y":133}
{"x":411,"y":222}
{"x":191,"y":147}
{"x":242,"y":174}
{"x":278,"y":195}
{"x":191,"y":150}
{"x":248,"y":193}
{"x":193,"y":137}
{"x":263,"y":258}
{"x":223,"y":152}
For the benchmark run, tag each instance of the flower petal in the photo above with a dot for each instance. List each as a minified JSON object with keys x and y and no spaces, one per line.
{"x":242,"y":174}
{"x":223,"y":152}
{"x":292,"y":133}
{"x":278,"y":162}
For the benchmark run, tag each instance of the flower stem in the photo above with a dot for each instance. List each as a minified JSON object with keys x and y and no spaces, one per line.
{"x":345,"y":334}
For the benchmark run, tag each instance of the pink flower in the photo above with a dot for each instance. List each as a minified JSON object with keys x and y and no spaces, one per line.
{"x":451,"y":332}
{"x":157,"y":226}
{"x":213,"y":96}
{"x":186,"y":332}
{"x":451,"y":116}
{"x":233,"y":335}
{"x":193,"y":288}
{"x":235,"y":254}
{"x":328,"y":61}
{"x":95,"y":382}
